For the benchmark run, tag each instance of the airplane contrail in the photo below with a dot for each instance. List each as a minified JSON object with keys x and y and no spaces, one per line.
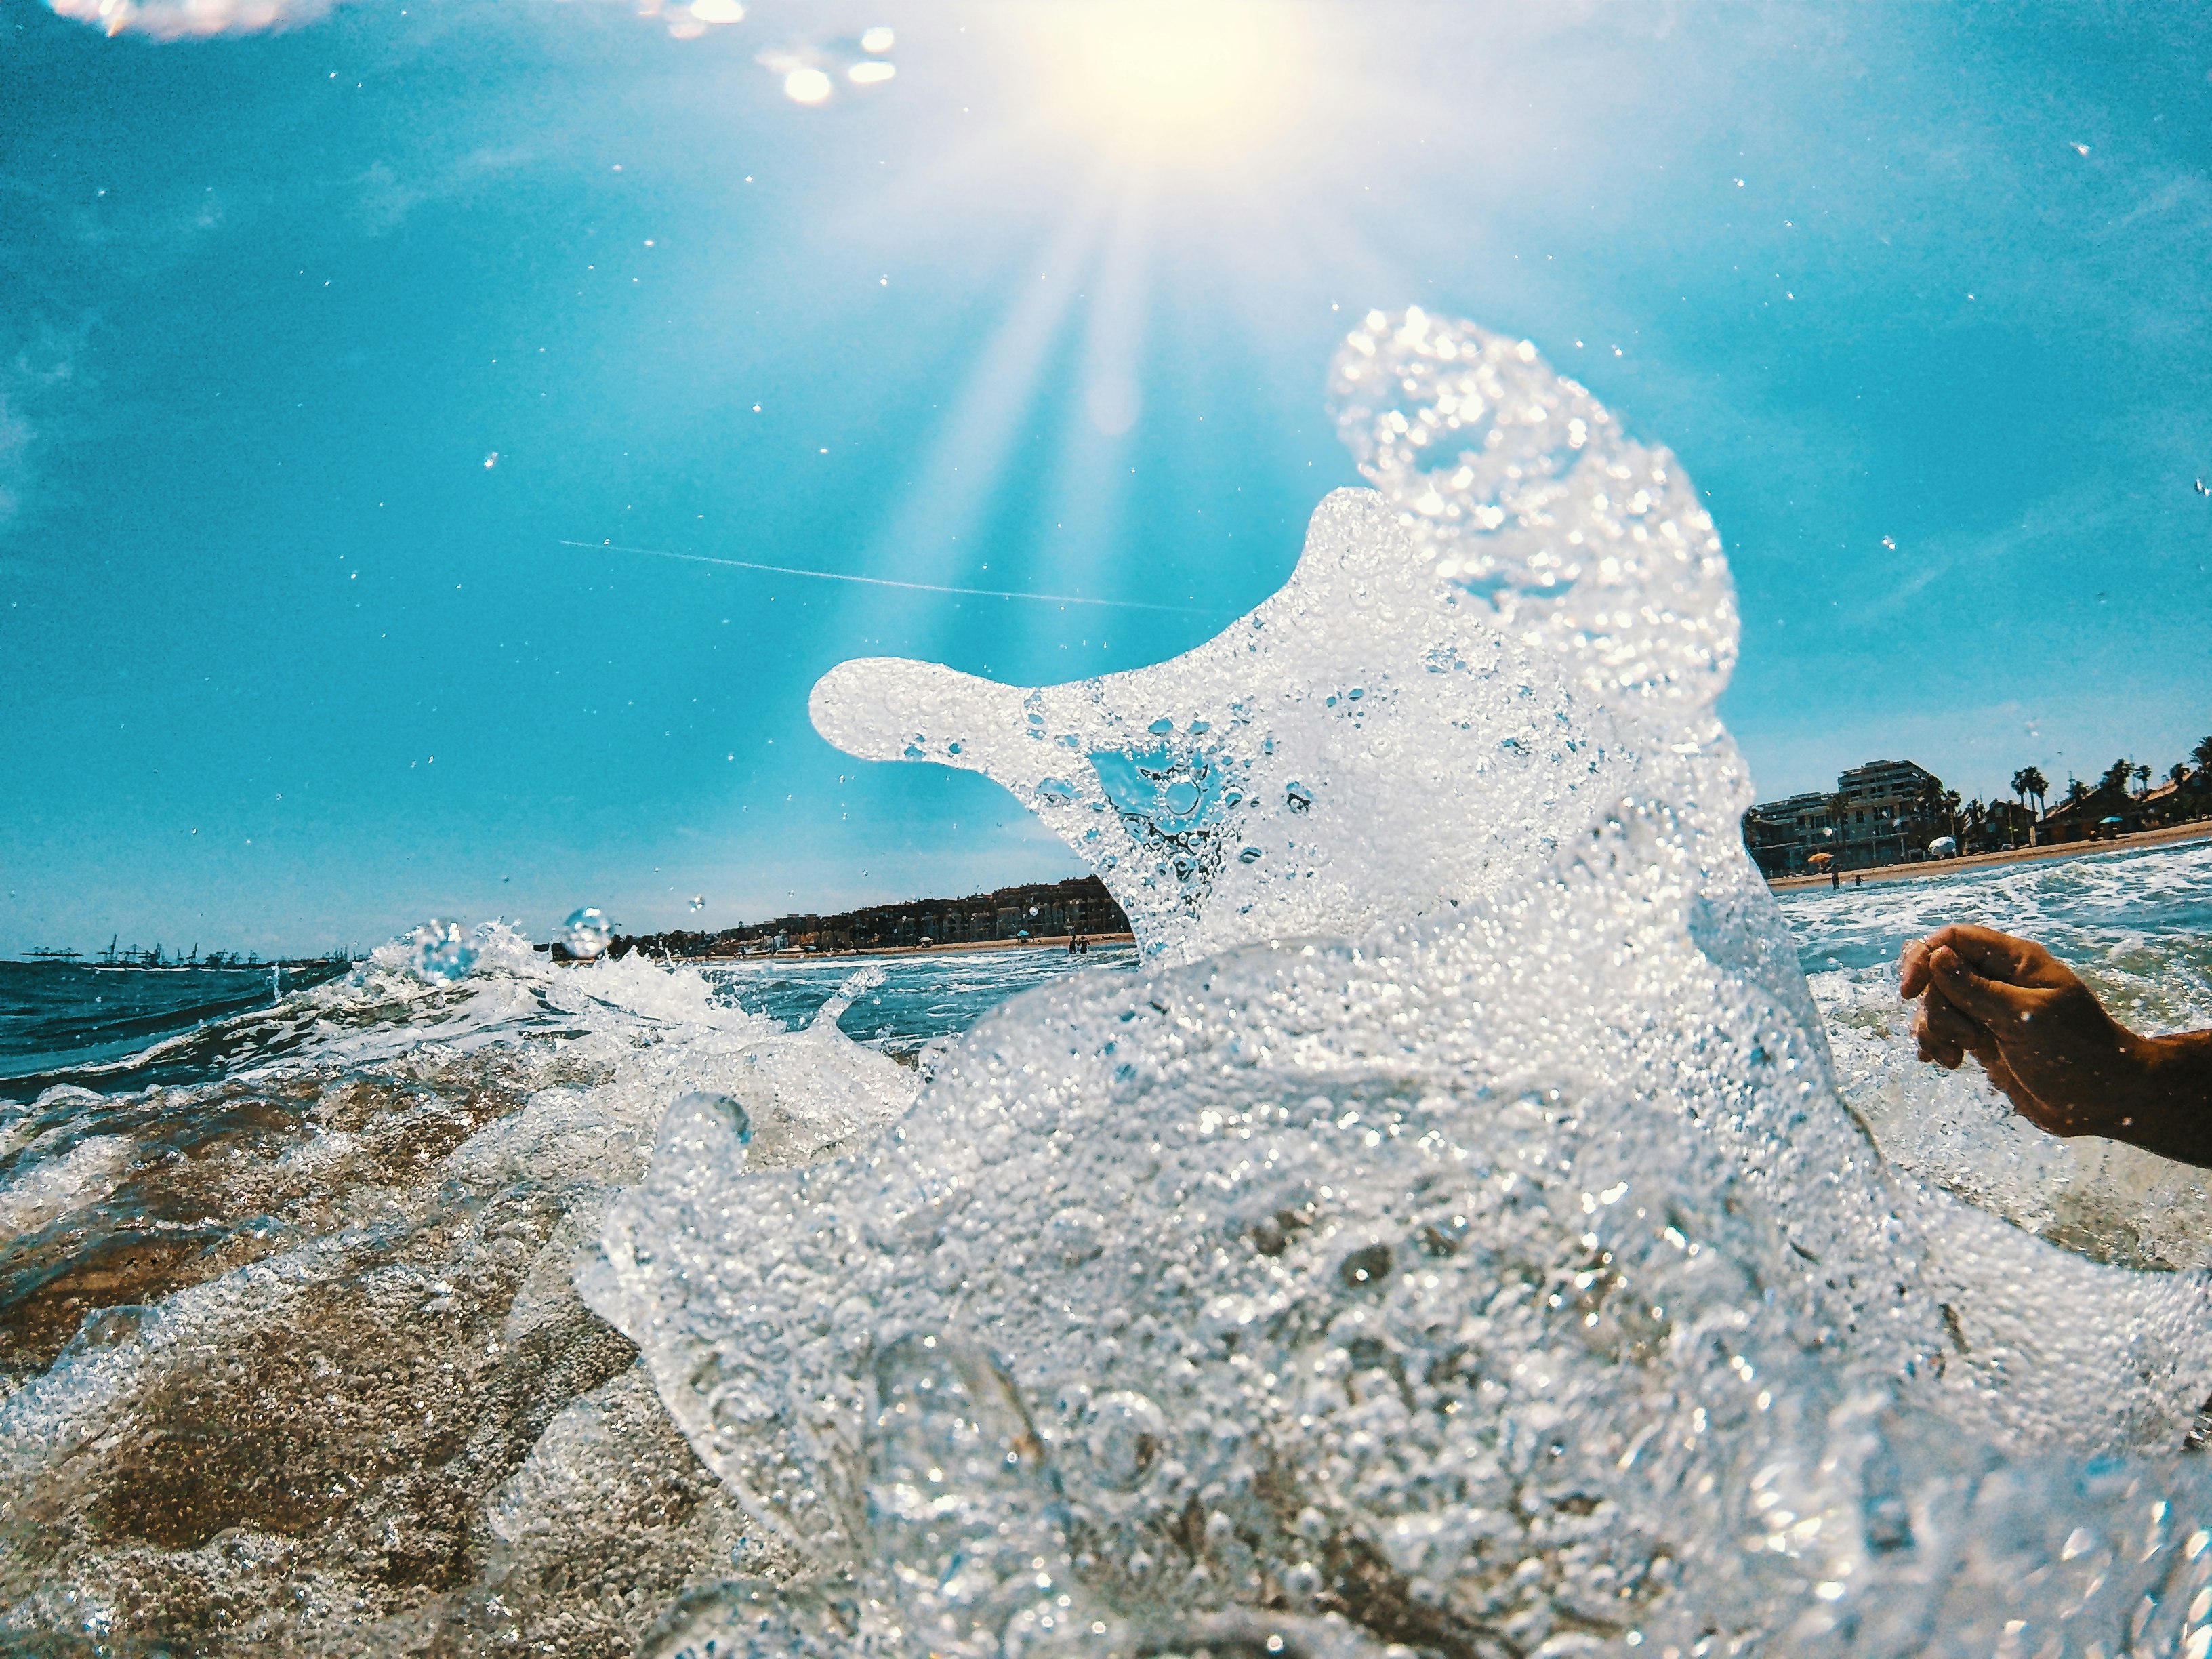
{"x":885,"y":581}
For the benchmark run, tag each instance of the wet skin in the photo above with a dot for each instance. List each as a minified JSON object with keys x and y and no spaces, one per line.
{"x":2046,"y":1043}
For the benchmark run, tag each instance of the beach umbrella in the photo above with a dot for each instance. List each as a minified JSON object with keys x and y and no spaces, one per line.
{"x":2116,"y":819}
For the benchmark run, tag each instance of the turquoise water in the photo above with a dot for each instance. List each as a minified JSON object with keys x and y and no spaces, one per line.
{"x":921,"y":999}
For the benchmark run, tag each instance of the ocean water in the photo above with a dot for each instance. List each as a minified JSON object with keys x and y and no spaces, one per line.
{"x":1477,"y":1220}
{"x":920,"y":999}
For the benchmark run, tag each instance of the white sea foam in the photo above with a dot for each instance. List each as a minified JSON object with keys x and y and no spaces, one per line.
{"x":1458,"y":1229}
{"x":50,"y":1187}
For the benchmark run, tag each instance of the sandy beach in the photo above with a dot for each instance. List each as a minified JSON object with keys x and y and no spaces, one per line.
{"x":2173,"y":836}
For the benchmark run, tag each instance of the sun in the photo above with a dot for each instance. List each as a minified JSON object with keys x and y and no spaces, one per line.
{"x":1181,"y":83}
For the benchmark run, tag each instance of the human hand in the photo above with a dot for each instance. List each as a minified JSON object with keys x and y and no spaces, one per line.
{"x":2040,"y":1034}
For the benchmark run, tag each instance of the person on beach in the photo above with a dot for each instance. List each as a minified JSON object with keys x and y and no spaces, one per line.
{"x":2046,"y":1043}
{"x":1835,"y":878}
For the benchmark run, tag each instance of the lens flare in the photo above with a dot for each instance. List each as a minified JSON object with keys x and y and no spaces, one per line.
{"x":1181,"y":81}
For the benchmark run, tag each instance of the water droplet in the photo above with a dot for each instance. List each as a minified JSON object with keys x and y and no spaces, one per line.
{"x":1297,"y":796}
{"x":700,"y":1126}
{"x":1056,"y":792}
{"x":440,"y":950}
{"x":586,"y":934}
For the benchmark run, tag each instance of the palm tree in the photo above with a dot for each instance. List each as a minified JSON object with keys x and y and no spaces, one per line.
{"x":2203,"y":753}
{"x":2177,"y":772}
{"x":2142,"y":779}
{"x":2116,"y":774}
{"x":2030,"y":781}
{"x":2076,"y":789}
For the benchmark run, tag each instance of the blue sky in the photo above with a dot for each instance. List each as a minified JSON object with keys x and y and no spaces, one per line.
{"x":291,"y":665}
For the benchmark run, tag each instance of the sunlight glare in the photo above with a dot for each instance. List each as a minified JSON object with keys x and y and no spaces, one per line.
{"x":1188,"y":82}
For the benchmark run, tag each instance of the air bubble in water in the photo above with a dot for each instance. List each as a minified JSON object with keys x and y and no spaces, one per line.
{"x":965,"y":1512}
{"x":587,"y":933}
{"x":440,"y":950}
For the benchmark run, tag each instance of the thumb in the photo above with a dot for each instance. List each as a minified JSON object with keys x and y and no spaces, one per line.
{"x":1990,"y":1001}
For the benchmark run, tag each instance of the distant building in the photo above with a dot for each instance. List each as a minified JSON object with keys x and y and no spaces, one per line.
{"x":2002,"y":824}
{"x":1889,"y":811}
{"x":2105,"y":812}
{"x":1782,"y":835}
{"x":2178,"y":800}
{"x":1886,"y":813}
{"x":1882,"y":813}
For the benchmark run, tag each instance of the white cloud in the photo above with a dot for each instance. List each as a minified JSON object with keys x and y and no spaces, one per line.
{"x":201,"y":19}
{"x":192,"y":19}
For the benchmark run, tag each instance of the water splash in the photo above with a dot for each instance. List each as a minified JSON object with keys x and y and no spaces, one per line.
{"x":1457,"y":1233}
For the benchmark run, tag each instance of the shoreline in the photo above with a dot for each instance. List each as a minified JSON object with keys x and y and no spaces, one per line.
{"x":2178,"y":835}
{"x":957,"y":947}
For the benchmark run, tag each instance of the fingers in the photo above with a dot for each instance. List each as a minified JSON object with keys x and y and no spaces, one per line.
{"x":1948,"y":1037}
{"x":1991,"y":1002}
{"x":2001,"y":956}
{"x":1992,"y":954}
{"x":1936,"y":1052}
{"x":1912,"y":969}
